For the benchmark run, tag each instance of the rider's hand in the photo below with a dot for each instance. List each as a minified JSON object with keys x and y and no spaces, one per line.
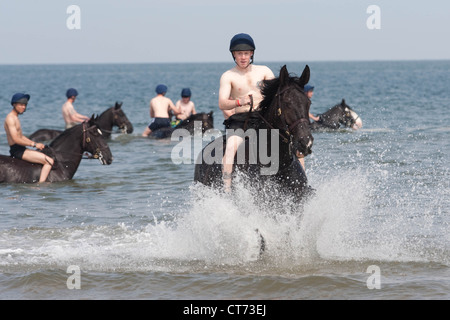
{"x":40,"y":146}
{"x":246,"y":101}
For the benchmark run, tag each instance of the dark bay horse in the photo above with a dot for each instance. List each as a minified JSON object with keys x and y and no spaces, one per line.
{"x":67,"y":149}
{"x":284,"y":116}
{"x":111,"y":117}
{"x":205,"y":119}
{"x":341,"y":115}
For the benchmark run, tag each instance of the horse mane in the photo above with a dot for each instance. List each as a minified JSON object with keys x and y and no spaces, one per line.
{"x":104,"y":112}
{"x":269,"y":90}
{"x":63,"y":135}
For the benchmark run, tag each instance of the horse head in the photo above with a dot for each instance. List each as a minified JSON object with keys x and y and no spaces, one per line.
{"x":94,"y":143}
{"x":120,"y":119}
{"x":207,"y":121}
{"x":350,"y":118}
{"x":286,"y":107}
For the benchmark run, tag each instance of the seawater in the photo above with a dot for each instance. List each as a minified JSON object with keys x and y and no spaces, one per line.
{"x":141,"y":229}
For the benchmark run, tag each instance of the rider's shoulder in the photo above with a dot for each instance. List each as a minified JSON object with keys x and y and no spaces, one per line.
{"x":264,"y":69}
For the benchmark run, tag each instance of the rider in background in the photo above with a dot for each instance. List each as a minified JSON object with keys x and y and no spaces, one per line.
{"x":18,"y":142}
{"x":71,"y":117}
{"x":159,"y":110}
{"x":185,"y":105}
{"x":309,"y":91}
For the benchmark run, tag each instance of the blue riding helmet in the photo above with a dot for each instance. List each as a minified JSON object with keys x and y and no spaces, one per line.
{"x":186,"y":92}
{"x":242,"y":42}
{"x":71,"y":93}
{"x":20,"y":98}
{"x":161,"y":88}
{"x":308,"y":87}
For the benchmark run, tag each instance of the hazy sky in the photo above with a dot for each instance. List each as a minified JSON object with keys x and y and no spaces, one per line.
{"x":200,"y":30}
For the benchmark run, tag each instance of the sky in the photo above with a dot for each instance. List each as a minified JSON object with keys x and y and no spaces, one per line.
{"x":180,"y":31}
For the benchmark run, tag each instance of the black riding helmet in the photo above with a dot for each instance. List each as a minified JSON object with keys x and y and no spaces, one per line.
{"x":242,"y":42}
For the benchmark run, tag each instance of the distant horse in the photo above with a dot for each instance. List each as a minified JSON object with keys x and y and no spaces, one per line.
{"x":113,"y":116}
{"x":206,"y":119}
{"x":67,"y":149}
{"x":285,"y":108}
{"x":339,"y":115}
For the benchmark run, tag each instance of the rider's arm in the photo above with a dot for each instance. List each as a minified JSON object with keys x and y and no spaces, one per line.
{"x":313,"y":117}
{"x":225,"y":102}
{"x":152,"y":112}
{"x":175,"y":109}
{"x":76,"y":117}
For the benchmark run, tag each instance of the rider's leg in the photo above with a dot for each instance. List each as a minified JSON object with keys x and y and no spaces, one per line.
{"x":146,"y":132}
{"x":39,"y":157}
{"x":233,"y":144}
{"x":301,"y":159}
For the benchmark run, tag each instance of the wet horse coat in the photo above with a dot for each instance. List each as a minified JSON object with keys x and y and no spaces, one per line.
{"x":341,"y":115}
{"x":284,"y":110}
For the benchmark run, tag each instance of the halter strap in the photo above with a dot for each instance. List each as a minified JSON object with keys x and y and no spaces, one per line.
{"x":283,"y":119}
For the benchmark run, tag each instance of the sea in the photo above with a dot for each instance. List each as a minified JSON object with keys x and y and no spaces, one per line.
{"x":377,"y":227}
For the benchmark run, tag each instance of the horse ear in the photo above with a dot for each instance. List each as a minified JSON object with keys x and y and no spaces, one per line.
{"x":118,"y":105}
{"x":304,"y":78}
{"x":284,"y":75}
{"x":210,"y":113}
{"x":343,"y":102}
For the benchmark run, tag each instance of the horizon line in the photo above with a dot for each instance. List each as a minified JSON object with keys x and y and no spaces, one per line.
{"x":213,"y":62}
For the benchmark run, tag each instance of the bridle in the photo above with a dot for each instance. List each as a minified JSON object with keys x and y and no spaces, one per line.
{"x":123,"y":125}
{"x":286,"y":135}
{"x":87,"y":141}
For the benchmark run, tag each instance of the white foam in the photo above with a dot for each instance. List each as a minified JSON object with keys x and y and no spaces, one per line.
{"x":339,"y":223}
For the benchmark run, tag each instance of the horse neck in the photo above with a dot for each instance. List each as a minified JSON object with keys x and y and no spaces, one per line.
{"x":105,"y":121}
{"x":284,"y":151}
{"x":68,"y":146}
{"x":333,"y":115}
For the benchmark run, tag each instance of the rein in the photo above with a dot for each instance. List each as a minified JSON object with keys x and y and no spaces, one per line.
{"x":123,"y":128}
{"x":287,"y":134}
{"x":86,"y":139}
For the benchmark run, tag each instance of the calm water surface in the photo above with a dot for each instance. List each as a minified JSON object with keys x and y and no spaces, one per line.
{"x":140,"y":228}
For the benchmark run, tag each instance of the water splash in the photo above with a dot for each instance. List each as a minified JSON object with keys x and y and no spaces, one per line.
{"x":342,"y":222}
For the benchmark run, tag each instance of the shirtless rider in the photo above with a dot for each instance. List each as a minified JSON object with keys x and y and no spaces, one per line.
{"x":159,"y":110}
{"x":71,"y":117}
{"x":238,"y":86}
{"x":18,"y":142}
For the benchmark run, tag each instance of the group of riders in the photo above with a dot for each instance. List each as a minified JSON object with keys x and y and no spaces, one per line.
{"x":239,"y":93}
